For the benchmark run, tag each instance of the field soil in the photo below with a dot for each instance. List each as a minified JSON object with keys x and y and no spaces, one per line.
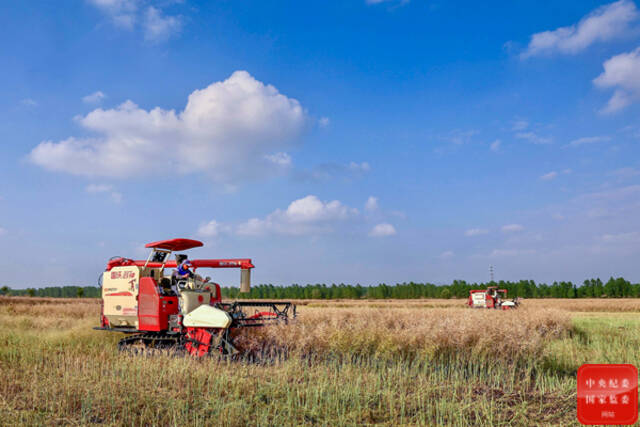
{"x":342,"y":362}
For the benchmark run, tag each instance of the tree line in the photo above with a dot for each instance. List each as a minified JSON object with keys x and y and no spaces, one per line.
{"x":591,"y":288}
{"x":55,"y":292}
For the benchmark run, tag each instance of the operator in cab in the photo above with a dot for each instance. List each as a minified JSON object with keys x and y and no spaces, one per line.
{"x":184,"y":270}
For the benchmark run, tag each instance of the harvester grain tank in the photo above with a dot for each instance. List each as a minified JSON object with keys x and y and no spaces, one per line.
{"x":492,"y":297}
{"x":160,"y":311}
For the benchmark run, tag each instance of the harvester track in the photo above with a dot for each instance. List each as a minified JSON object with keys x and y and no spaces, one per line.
{"x":161,"y":343}
{"x":150,"y":343}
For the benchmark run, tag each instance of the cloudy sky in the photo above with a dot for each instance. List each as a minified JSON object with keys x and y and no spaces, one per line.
{"x":356,"y":141}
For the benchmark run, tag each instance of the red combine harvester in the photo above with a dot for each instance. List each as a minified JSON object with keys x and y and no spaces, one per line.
{"x":161,"y":311}
{"x":492,"y":297}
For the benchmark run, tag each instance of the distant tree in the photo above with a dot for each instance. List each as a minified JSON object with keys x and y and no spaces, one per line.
{"x":80,"y":292}
{"x":610,"y":288}
{"x":4,"y":290}
{"x":31,"y":292}
{"x":446,"y":293}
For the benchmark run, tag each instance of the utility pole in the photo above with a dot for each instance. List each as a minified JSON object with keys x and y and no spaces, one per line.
{"x":491,"y":272}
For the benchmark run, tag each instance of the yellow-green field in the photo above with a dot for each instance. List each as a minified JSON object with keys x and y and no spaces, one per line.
{"x":418,"y":362}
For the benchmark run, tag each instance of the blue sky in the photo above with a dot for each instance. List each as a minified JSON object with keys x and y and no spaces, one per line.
{"x":355,"y":141}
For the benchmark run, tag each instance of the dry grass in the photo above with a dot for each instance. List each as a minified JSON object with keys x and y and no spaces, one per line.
{"x":605,"y":305}
{"x":611,"y":305}
{"x":418,"y":362}
{"x":398,"y":330}
{"x":412,"y":333}
{"x":573,"y":305}
{"x":51,"y":307}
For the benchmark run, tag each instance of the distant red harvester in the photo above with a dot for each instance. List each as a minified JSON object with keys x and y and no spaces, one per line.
{"x":492,"y":297}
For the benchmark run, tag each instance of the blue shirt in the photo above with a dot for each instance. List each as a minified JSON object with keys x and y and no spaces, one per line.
{"x":183,"y":271}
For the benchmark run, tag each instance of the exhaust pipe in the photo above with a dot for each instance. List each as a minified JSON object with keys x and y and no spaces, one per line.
{"x":245,"y":280}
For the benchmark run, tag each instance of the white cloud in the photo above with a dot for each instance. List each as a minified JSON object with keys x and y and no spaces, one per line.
{"x":599,"y":212}
{"x":328,"y":171}
{"x":549,"y":176}
{"x":618,"y":101}
{"x":499,"y":253}
{"x":114,"y":5}
{"x":621,"y":72}
{"x":28,"y":102}
{"x":94,"y":98}
{"x":3,"y":231}
{"x":312,"y":209}
{"x":399,"y":214}
{"x":116,"y":196}
{"x":98,"y":188}
{"x":459,"y":137}
{"x":371,"y":204}
{"x":554,"y":174}
{"x":520,"y":125}
{"x":212,"y":228}
{"x":382,"y":230}
{"x":495,"y":145}
{"x":225,"y":130}
{"x":512,"y":228}
{"x":324,"y":122}
{"x":129,"y":14}
{"x":615,"y":205}
{"x":604,"y":23}
{"x":308,"y":215}
{"x":160,"y":27}
{"x":121,"y":12}
{"x":616,"y":194}
{"x":630,"y":237}
{"x":447,"y":254}
{"x":279,"y":159}
{"x":533,"y":137}
{"x":589,"y":140}
{"x":625,"y":173}
{"x":359,"y":167}
{"x":476,"y":232}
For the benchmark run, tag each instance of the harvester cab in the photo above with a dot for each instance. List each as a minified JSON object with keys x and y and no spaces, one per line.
{"x":161,"y":310}
{"x":492,"y":297}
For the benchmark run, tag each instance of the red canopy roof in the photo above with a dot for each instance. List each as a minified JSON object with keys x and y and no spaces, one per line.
{"x":175,"y":244}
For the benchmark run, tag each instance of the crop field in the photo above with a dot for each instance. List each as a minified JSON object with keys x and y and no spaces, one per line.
{"x":414,"y":362}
